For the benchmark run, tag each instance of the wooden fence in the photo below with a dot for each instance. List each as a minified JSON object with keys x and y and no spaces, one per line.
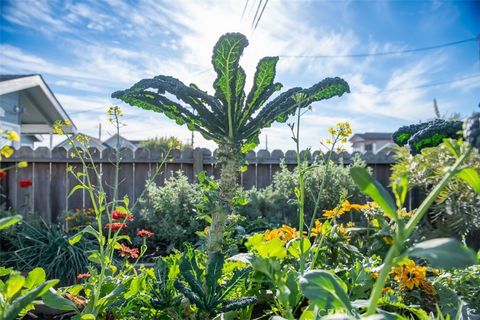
{"x":48,"y":170}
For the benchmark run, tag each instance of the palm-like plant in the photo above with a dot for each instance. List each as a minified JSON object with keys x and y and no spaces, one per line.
{"x":231,"y":118}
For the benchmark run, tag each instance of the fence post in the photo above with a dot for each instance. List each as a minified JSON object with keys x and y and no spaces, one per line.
{"x":197,"y":162}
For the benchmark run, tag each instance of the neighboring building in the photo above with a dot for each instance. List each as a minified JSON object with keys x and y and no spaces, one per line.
{"x":124,"y":143}
{"x":92,"y":143}
{"x":29,"y":107}
{"x":371,"y":141}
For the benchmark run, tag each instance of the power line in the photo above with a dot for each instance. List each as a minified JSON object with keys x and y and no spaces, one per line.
{"x":435,"y":84}
{"x":386,"y":53}
{"x":260,"y":16}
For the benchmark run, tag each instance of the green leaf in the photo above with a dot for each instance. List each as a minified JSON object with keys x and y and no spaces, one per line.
{"x":271,"y":249}
{"x":471,"y":177}
{"x":96,"y":257}
{"x":78,"y":236}
{"x":35,"y":278}
{"x":22,"y":302}
{"x":8,"y":221}
{"x":226,"y":55}
{"x":374,"y":190}
{"x":444,"y":253}
{"x":14,"y":285}
{"x":88,"y":316}
{"x":75,"y":188}
{"x":55,"y":301}
{"x":325,"y":291}
{"x":263,"y":86}
{"x":294,"y":246}
{"x":400,"y":190}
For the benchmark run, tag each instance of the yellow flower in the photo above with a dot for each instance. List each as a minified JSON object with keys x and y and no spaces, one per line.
{"x":405,"y":214}
{"x":58,"y":127}
{"x":317,"y":229}
{"x":409,"y":274}
{"x":22,"y":164}
{"x":6,"y":151}
{"x":67,"y":123}
{"x":374,"y":275}
{"x":289,"y":233}
{"x":337,"y":212}
{"x":13,"y":136}
{"x":341,"y":230}
{"x":351,"y":224}
{"x":273,"y":234}
{"x":346,"y":205}
{"x":387,"y":290}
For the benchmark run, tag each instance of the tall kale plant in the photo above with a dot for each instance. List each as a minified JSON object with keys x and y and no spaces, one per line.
{"x":231,"y":117}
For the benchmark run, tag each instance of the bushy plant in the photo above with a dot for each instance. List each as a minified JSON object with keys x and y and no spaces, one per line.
{"x":277,"y":203}
{"x":38,"y":244}
{"x":456,"y":211}
{"x":170,"y":211}
{"x":165,"y":143}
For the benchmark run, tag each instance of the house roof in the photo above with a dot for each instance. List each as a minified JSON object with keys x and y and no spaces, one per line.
{"x":41,"y":107}
{"x":92,"y":142}
{"x":372,"y":136}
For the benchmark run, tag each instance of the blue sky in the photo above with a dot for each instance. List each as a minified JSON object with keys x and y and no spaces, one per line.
{"x":87,"y":49}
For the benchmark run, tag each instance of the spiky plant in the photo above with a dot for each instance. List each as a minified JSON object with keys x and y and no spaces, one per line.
{"x":231,"y":118}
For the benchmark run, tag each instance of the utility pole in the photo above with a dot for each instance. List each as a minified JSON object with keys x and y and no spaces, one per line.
{"x":435,"y":108}
{"x":100,"y":131}
{"x":266,"y":142}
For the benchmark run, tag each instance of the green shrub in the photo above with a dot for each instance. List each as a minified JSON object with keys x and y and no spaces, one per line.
{"x":170,"y":211}
{"x":37,"y":244}
{"x":455,"y":212}
{"x":277,"y":202}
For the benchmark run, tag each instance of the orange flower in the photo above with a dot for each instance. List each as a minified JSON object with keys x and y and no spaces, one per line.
{"x":409,"y":274}
{"x":317,"y":229}
{"x":115,"y":226}
{"x":273,"y":234}
{"x":144,"y":233}
{"x":289,"y":233}
{"x":120,"y":215}
{"x":128,"y":252}
{"x":83,"y":275}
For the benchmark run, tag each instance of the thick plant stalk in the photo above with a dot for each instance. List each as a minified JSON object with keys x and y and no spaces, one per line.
{"x":227,"y":186}
{"x":396,"y":249}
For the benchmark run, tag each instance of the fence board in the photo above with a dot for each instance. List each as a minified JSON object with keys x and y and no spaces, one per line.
{"x":52,"y":183}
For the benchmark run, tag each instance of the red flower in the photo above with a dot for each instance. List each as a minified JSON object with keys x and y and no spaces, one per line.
{"x":3,"y":174}
{"x":25,"y":183}
{"x":128,"y":252}
{"x":119,"y":215}
{"x":144,"y":233}
{"x":115,"y":226}
{"x":83,"y":275}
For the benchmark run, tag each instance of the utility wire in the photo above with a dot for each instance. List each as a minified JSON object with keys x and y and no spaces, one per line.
{"x":256,"y":13}
{"x":435,"y":84}
{"x":386,"y":53}
{"x":261,"y":14}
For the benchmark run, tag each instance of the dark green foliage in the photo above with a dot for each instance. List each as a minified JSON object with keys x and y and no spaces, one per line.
{"x":403,"y":134}
{"x":38,"y":244}
{"x":202,"y":286}
{"x":163,"y":293}
{"x":434,"y":134}
{"x":427,"y":134}
{"x":228,"y":116}
{"x":471,"y":130}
